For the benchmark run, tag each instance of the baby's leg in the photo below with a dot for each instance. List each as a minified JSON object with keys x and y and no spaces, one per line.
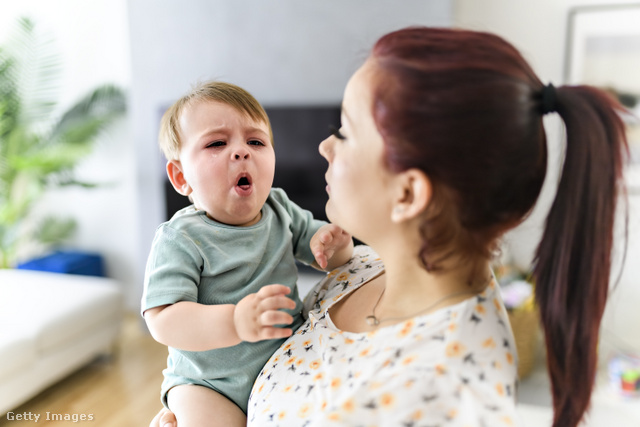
{"x":199,"y":406}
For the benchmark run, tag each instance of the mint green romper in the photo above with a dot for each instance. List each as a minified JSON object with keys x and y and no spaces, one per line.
{"x":194,"y":258}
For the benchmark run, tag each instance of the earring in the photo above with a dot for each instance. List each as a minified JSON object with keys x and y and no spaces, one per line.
{"x":397,"y":210}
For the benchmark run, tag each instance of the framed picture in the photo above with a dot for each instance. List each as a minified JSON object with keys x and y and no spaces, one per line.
{"x":603,"y":50}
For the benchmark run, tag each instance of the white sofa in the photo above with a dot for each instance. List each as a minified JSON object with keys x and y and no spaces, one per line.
{"x":51,"y":324}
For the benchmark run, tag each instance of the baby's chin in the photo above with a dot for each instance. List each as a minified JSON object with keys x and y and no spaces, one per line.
{"x":237,"y":220}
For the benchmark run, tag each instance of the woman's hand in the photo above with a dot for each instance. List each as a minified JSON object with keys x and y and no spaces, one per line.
{"x":256,"y":315}
{"x":331,"y":247}
{"x":164,"y":418}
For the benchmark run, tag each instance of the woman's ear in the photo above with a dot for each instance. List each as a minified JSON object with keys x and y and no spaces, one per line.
{"x":414,"y":194}
{"x":176,"y":176}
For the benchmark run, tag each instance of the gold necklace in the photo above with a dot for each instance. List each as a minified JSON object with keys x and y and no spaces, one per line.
{"x":373,"y":320}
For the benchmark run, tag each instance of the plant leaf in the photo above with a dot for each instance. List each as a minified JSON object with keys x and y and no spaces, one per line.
{"x":9,"y":101}
{"x":34,"y":72}
{"x":24,"y":190}
{"x":90,"y":114}
{"x":49,"y":160}
{"x":53,"y":231}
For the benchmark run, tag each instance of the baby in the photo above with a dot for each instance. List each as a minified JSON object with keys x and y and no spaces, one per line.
{"x":220,"y":282}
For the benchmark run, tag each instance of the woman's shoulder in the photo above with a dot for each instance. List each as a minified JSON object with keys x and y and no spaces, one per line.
{"x":468,"y":357}
{"x":478,"y":342}
{"x":364,"y":265}
{"x":481,"y":321}
{"x":363,"y":258}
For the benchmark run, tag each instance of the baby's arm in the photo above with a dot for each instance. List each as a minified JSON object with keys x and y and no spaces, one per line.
{"x":192,"y":326}
{"x":331,"y":246}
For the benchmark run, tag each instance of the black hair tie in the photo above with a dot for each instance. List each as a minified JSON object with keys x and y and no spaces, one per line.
{"x":549,"y":99}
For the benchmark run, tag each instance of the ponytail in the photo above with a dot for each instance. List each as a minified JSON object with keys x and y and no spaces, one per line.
{"x":573,"y":260}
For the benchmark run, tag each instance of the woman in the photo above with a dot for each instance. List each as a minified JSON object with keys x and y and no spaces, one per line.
{"x":441,"y":151}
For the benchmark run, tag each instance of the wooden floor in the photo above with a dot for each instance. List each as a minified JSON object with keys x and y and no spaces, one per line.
{"x":116,"y":391}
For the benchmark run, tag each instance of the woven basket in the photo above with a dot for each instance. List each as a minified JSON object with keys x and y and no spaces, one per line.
{"x":526,"y":330}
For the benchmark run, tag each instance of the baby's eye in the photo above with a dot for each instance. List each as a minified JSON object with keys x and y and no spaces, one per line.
{"x":255,"y":142}
{"x":216,"y":144}
{"x":336,"y":132}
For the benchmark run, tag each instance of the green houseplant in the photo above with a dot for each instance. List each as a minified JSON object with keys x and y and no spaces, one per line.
{"x":40,"y":145}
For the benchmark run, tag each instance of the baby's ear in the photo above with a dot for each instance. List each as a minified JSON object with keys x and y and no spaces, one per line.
{"x":176,"y":176}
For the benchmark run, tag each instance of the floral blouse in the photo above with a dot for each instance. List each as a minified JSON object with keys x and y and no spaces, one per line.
{"x":453,"y":367}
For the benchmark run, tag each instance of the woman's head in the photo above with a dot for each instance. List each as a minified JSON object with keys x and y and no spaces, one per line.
{"x":464,"y":108}
{"x":359,"y":183}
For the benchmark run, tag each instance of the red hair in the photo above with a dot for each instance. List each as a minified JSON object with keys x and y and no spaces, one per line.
{"x":466,"y":108}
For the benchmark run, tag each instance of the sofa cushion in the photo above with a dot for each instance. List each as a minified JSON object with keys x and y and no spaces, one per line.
{"x":52,"y":309}
{"x":17,"y":349}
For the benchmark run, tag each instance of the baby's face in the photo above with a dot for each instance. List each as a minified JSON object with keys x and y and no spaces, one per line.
{"x":227,"y":160}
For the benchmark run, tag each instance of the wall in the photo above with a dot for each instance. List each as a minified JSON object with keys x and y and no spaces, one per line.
{"x":92,"y":39}
{"x":539,"y":30}
{"x":284,"y":52}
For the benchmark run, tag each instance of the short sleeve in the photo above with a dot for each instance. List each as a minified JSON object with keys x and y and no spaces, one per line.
{"x":173,"y":269}
{"x":364,"y":263}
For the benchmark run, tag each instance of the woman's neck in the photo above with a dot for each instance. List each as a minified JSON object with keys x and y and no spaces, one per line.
{"x":409,"y":288}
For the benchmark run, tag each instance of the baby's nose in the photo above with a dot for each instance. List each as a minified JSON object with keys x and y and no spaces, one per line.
{"x":241,"y":154}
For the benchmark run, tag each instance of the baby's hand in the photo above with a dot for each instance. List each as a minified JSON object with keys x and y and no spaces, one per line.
{"x":328,"y":240}
{"x":256,"y":314}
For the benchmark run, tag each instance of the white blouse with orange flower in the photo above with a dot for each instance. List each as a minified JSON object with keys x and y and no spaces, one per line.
{"x":453,"y":367}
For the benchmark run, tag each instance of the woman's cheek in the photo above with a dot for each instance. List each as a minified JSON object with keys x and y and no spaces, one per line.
{"x":340,"y":174}
{"x":341,"y":193}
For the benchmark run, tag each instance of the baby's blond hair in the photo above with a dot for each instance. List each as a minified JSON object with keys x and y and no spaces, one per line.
{"x":227,"y":93}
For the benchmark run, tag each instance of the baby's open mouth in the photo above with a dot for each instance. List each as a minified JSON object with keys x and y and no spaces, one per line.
{"x":244,"y":182}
